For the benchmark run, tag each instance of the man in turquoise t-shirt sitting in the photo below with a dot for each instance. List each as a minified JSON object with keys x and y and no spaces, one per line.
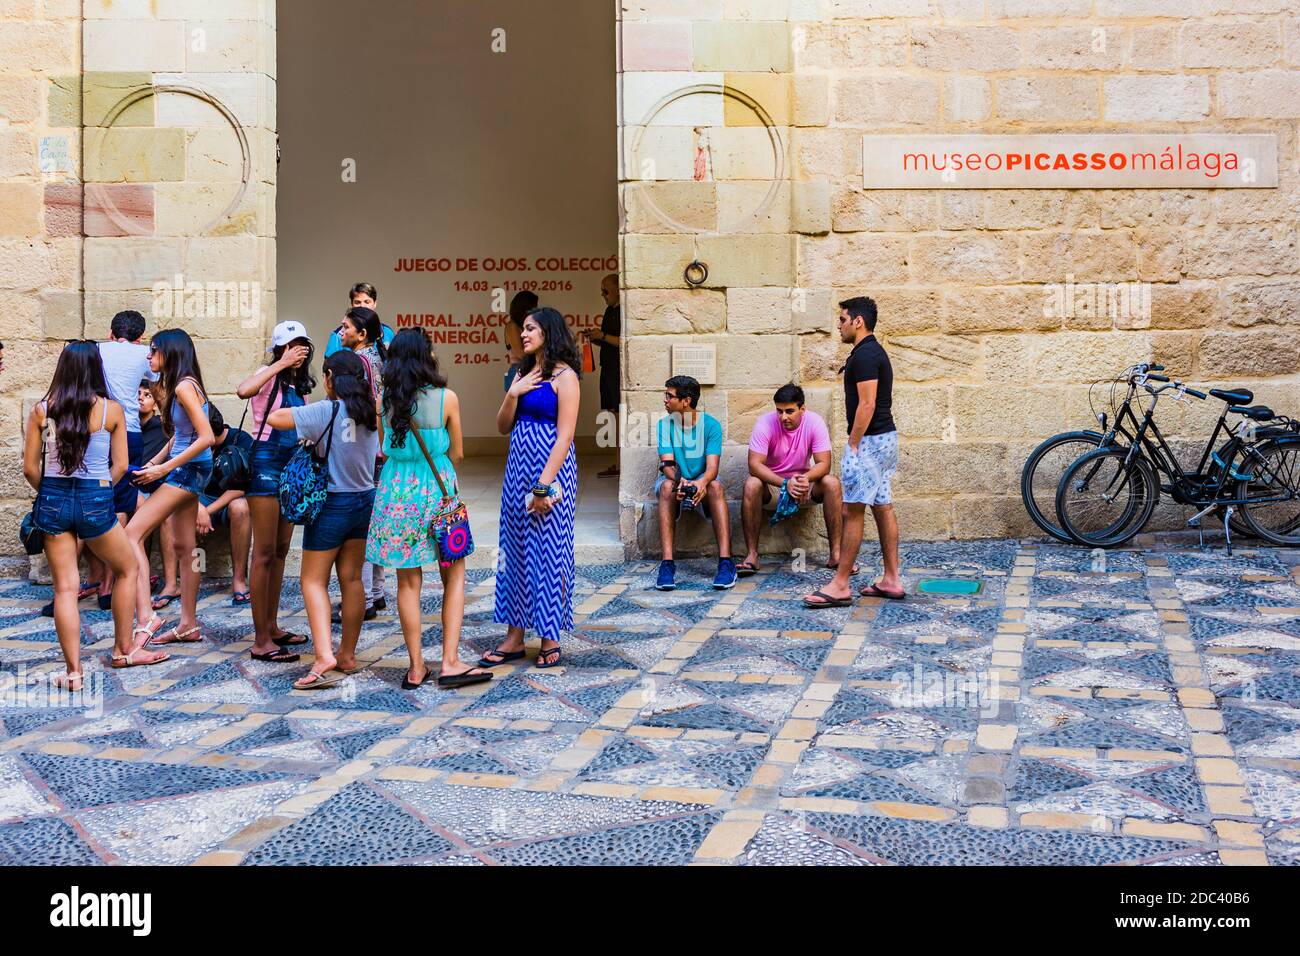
{"x":690,"y":453}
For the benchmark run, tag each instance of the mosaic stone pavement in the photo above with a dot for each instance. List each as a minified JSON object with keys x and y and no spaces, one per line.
{"x":1147,"y":713}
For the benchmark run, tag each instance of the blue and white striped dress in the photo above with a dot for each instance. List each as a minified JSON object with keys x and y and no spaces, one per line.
{"x":534,"y":584}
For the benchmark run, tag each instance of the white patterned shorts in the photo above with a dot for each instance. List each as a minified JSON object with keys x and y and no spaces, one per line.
{"x":866,"y":474}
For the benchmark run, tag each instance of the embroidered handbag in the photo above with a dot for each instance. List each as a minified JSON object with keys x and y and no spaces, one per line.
{"x":450,"y":527}
{"x":304,"y":483}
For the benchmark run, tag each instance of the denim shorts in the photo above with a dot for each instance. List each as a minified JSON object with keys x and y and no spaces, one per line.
{"x":125,"y":491}
{"x":83,"y":506}
{"x":867,"y":475}
{"x":702,"y":510}
{"x":269,"y":459}
{"x":345,"y":517}
{"x":193,"y":477}
{"x":220,"y":519}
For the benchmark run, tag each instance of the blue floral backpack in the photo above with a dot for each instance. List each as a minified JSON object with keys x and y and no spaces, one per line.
{"x":305,"y":481}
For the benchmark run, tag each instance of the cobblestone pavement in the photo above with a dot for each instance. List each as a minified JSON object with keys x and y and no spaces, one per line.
{"x":1147,"y":713}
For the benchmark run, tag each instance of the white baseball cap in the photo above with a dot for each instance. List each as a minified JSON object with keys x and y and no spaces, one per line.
{"x":286,"y":332}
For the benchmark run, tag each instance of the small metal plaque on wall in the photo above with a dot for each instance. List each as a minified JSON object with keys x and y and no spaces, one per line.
{"x":700,"y":362}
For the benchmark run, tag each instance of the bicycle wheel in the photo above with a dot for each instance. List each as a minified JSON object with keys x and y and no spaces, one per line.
{"x":1276,"y":474}
{"x":1042,"y":473}
{"x":1102,"y":501}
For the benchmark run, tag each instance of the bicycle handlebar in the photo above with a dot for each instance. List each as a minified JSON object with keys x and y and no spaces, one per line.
{"x":1157,"y":378}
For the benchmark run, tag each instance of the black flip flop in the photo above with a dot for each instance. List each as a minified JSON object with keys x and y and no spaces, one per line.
{"x":548,"y":653}
{"x":277,"y":656}
{"x":409,"y":685}
{"x":873,"y":591}
{"x":828,"y":602}
{"x":289,"y":639}
{"x":745,"y":570}
{"x":506,"y":658}
{"x":466,"y":679}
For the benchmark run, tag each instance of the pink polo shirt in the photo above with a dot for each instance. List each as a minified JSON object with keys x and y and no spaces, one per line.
{"x":789,"y":452}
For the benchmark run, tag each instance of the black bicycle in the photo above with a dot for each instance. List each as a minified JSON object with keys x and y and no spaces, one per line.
{"x":1108,"y":495}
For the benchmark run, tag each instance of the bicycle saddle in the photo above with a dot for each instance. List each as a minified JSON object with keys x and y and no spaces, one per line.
{"x":1260,"y":413}
{"x":1235,"y":396}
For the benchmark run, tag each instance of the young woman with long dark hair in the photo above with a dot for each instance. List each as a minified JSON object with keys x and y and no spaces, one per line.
{"x":346,"y":429}
{"x":363,"y":333}
{"x":184,"y":465}
{"x":538,"y":496}
{"x":80,"y":435}
{"x":419,"y":408}
{"x":283,"y":384}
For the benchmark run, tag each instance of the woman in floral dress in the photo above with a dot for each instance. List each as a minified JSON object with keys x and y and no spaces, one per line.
{"x":417,"y":400}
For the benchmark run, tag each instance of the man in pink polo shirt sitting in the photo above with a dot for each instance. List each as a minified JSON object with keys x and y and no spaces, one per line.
{"x":790,"y":445}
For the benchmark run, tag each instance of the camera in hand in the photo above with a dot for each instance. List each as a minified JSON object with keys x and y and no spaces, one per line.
{"x":688,"y":497}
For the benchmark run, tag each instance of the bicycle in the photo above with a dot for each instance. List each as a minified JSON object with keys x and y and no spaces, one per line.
{"x":1108,"y":495}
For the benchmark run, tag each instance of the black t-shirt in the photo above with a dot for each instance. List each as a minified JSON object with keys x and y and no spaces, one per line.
{"x":866,"y":362}
{"x":240,"y":439}
{"x":152,"y":438}
{"x":611,"y":324}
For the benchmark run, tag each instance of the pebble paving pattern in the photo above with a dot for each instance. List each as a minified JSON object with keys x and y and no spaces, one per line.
{"x":1145,"y":711}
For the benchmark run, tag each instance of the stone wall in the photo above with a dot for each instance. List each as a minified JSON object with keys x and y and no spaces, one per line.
{"x":166,"y":112}
{"x":981,"y":373}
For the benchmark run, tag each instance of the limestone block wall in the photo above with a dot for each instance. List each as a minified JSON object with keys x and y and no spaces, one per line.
{"x":982,"y":371}
{"x":137,"y":153}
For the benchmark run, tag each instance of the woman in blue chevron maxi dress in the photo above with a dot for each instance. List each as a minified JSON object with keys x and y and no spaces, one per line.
{"x":534,"y":582}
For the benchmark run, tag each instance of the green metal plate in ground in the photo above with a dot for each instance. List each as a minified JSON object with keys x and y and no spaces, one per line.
{"x":962,"y":587}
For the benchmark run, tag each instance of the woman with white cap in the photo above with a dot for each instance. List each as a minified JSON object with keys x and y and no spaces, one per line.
{"x":285,"y":383}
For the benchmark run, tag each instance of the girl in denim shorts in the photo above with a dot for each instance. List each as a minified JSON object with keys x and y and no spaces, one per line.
{"x":346,"y":429}
{"x":283,"y":384}
{"x":75,"y":451}
{"x":184,"y":465}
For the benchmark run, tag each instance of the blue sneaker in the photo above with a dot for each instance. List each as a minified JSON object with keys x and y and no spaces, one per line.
{"x":726,"y":576}
{"x":667,"y":580}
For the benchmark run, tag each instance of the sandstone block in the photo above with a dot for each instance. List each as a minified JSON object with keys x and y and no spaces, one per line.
{"x":1153,"y":47}
{"x":923,"y":358}
{"x":20,"y":100}
{"x":748,"y":260}
{"x":810,"y":207}
{"x":737,"y":45}
{"x":657,"y":261}
{"x":1049,"y":98}
{"x":675,"y":311}
{"x":1075,"y":48}
{"x":759,"y":310}
{"x":967,"y":99}
{"x":1088,"y":257}
{"x":854,"y":209}
{"x":963,"y":258}
{"x":965,"y":48}
{"x":1137,"y":99}
{"x":135,"y":155}
{"x":22,"y":209}
{"x":17,"y":154}
{"x":655,"y":46}
{"x":771,"y":91}
{"x":1256,"y":352}
{"x":857,"y":259}
{"x":670,"y":207}
{"x":35,"y":46}
{"x":1267,"y":249}
{"x":896,"y":101}
{"x":810,"y":100}
{"x":1269,"y":94}
{"x":122,"y":46}
{"x":121,"y":264}
{"x":1234,"y":45}
{"x":1257,"y":301}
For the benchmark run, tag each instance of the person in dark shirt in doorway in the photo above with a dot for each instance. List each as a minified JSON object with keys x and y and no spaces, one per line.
{"x":870,"y":458}
{"x":607,"y":339}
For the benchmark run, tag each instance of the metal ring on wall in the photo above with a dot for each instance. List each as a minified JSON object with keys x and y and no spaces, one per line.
{"x":696,"y":274}
{"x":145,"y":92}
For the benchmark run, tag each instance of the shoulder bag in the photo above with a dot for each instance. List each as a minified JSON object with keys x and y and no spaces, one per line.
{"x":450,"y":528}
{"x":305,"y":481}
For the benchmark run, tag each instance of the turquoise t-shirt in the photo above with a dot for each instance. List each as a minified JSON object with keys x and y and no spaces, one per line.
{"x":691,"y":447}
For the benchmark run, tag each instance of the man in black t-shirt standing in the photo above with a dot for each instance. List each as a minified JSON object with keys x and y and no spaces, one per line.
{"x":870,"y":459}
{"x":608,"y":341}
